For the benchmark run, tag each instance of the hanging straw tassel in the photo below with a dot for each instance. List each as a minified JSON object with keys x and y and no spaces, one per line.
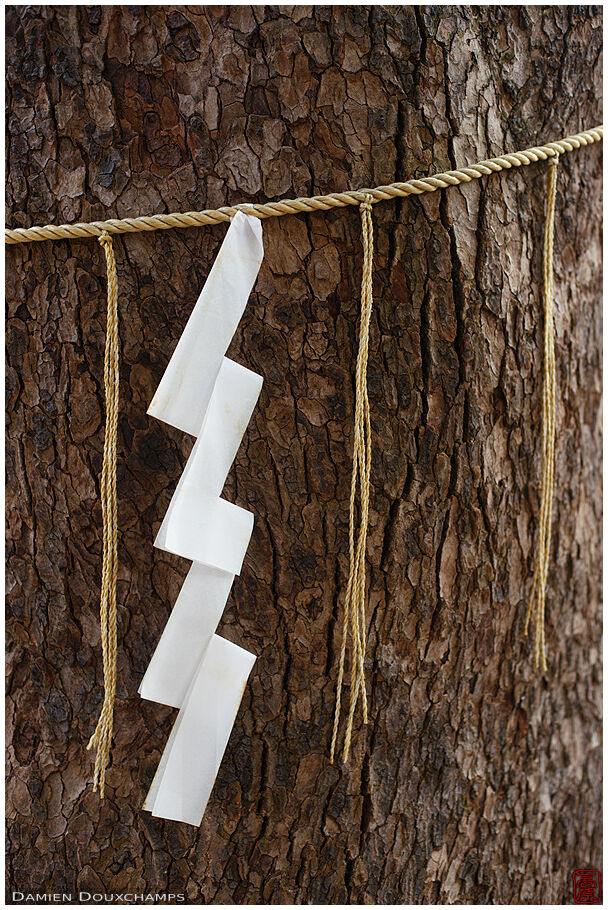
{"x":102,"y":737}
{"x":536,"y":605}
{"x":354,"y":605}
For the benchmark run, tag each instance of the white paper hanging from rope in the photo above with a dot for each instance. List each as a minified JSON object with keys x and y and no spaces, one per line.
{"x":185,"y":389}
{"x":204,"y":393}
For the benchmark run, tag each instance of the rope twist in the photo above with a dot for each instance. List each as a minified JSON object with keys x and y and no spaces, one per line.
{"x":309,"y":204}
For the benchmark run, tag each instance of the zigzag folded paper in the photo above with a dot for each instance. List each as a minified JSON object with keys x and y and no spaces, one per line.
{"x":195,"y":526}
{"x":204,"y":393}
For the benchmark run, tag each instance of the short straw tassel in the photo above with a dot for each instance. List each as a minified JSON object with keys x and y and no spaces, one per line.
{"x":354,"y":603}
{"x":102,"y":737}
{"x":536,"y":603}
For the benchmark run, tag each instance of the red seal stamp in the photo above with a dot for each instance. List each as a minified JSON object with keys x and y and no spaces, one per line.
{"x":587,"y":886}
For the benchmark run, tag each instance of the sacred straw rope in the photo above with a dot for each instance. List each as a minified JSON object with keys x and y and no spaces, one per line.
{"x":539,"y":581}
{"x":354,"y":605}
{"x":102,"y":737}
{"x":354,"y":610}
{"x":311,"y":204}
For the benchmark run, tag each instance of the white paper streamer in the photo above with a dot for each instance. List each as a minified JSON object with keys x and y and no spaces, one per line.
{"x":189,"y":765}
{"x":189,"y":630}
{"x":204,"y":393}
{"x":185,"y":389}
{"x":197,"y":524}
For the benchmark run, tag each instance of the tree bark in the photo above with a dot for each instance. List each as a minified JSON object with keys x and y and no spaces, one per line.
{"x":477,"y":780}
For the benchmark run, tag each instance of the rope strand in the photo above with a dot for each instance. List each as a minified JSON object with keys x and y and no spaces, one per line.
{"x":354,"y":604}
{"x":536,"y":604}
{"x":102,"y":737}
{"x":311,"y":204}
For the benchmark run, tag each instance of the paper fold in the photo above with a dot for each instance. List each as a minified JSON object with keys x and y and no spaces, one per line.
{"x":191,"y":759}
{"x":189,"y":630}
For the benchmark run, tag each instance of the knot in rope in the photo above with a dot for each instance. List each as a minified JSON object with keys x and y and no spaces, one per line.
{"x":367,"y":204}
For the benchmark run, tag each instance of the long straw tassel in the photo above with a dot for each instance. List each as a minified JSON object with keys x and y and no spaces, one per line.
{"x":536,"y":605}
{"x":354,"y":622}
{"x":102,"y":737}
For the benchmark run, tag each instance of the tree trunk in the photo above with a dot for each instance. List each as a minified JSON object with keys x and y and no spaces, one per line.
{"x":477,"y":780}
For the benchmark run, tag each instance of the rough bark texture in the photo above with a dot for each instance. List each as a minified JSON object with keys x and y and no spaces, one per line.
{"x":477,"y":780}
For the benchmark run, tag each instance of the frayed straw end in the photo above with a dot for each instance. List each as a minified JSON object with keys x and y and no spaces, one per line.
{"x":101,"y":743}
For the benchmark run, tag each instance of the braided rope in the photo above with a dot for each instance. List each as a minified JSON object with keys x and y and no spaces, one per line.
{"x":102,"y":737}
{"x":311,"y":204}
